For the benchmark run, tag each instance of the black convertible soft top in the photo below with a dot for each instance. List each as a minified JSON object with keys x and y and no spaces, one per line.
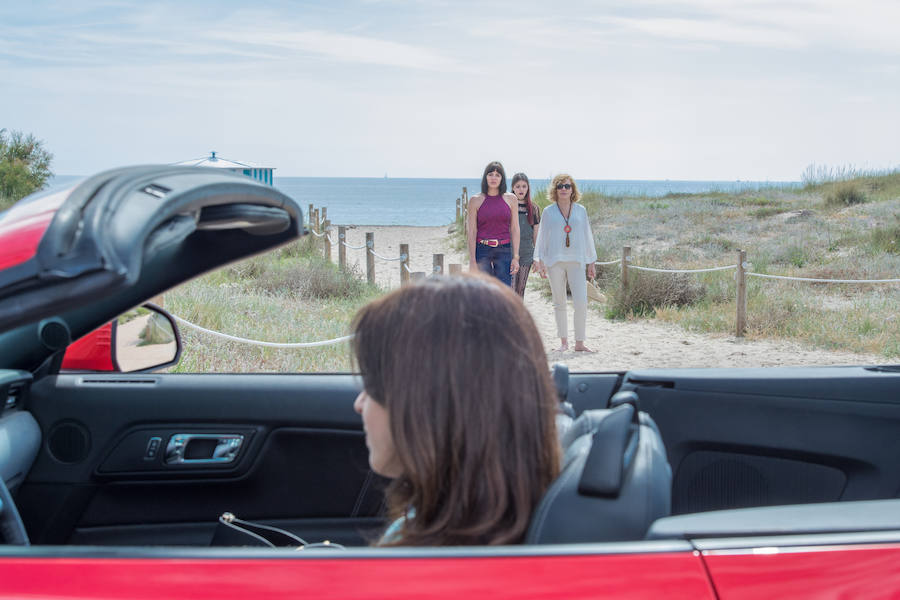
{"x":127,"y":234}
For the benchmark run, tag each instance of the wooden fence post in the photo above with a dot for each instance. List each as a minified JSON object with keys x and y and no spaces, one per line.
{"x":458,"y":207}
{"x":324,"y":213}
{"x":342,"y":249}
{"x":316,"y":220}
{"x":309,"y":216}
{"x":626,"y":254}
{"x":741,"y":276}
{"x":455,"y":269}
{"x":404,"y":264}
{"x":370,"y":258}
{"x":326,"y":225}
{"x":438,"y":264}
{"x":465,"y":212}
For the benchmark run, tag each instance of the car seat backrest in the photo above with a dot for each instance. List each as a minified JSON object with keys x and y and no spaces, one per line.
{"x":614,"y":483}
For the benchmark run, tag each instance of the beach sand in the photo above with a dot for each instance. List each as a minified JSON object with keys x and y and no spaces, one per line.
{"x":619,"y":345}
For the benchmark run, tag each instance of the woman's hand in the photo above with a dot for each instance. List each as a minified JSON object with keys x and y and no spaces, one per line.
{"x":592,"y":271}
{"x":514,"y":266}
{"x":541,"y":269}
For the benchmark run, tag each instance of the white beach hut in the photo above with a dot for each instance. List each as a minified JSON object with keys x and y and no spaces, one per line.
{"x":252,"y":170}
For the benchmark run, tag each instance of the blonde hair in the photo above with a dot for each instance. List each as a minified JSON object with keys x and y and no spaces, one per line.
{"x":561,"y":178}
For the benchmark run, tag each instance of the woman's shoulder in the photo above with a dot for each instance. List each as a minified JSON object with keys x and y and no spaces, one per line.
{"x":478,"y":198}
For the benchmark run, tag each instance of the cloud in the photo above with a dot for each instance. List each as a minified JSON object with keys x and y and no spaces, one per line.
{"x":346,"y":48}
{"x":709,"y":30}
{"x":862,"y":25}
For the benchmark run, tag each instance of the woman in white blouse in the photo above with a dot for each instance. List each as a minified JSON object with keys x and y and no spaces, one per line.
{"x":564,"y":246}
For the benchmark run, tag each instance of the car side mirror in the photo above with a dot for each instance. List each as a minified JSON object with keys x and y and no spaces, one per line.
{"x":143,"y":339}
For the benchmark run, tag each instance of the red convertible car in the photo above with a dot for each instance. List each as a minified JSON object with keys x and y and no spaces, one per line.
{"x":694,"y":483}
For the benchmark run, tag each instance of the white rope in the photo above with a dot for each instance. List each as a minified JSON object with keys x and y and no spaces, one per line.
{"x":612,"y":262}
{"x":385,"y":257}
{"x":313,"y":231}
{"x":354,"y":247}
{"x":823,"y":280}
{"x":330,"y":241}
{"x":258,"y":343}
{"x":683,"y":270}
{"x":406,"y":266}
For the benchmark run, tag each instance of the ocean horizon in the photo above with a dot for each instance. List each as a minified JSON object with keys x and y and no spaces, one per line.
{"x":431,"y":202}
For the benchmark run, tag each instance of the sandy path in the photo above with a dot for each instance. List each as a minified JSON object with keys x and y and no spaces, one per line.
{"x":619,"y":345}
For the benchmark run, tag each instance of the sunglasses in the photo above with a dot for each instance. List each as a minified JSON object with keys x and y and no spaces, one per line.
{"x":564,"y":186}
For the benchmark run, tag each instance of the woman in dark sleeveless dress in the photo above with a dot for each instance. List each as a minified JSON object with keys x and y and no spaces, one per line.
{"x":529,"y":217}
{"x":492,"y":226}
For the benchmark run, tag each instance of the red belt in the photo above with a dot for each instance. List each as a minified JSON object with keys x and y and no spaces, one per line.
{"x":493,"y":243}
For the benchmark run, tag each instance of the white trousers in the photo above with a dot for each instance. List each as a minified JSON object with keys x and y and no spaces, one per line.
{"x":559,"y":273}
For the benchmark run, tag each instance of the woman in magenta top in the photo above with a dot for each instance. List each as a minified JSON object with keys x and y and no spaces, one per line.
{"x":492,"y":225}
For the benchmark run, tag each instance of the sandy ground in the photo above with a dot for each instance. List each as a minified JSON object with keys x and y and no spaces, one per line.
{"x":618,"y":345}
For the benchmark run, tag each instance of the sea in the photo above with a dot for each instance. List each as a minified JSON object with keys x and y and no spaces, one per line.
{"x":429,"y":202}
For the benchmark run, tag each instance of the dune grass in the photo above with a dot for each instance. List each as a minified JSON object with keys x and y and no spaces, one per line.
{"x":832,"y":229}
{"x":292,"y":295}
{"x":819,"y":231}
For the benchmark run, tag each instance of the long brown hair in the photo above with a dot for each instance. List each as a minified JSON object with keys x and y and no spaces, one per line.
{"x":530,"y":208}
{"x":460,"y":367}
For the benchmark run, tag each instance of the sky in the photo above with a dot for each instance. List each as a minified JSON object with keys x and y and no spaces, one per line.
{"x":637,"y":89}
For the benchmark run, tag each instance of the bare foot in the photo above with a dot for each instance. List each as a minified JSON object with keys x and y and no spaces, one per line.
{"x":580,"y":347}
{"x":563,"y":348}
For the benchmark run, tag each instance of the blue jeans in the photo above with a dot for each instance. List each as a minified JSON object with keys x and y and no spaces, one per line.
{"x":495,"y":261}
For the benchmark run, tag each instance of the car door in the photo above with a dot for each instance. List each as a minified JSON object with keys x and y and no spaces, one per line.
{"x":154,"y":459}
{"x":760,"y":437}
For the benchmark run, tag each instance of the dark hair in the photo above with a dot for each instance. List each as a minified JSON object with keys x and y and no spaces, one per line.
{"x":460,"y":367}
{"x":493,"y":166}
{"x":529,"y":205}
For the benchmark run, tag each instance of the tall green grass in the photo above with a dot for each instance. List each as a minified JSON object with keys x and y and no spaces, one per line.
{"x":292,"y":295}
{"x":834,"y":229}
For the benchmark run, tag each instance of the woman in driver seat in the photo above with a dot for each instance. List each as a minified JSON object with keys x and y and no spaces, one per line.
{"x":458,"y":409}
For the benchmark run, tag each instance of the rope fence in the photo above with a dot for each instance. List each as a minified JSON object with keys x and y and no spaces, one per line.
{"x":234,"y":338}
{"x":653,"y":270}
{"x":785,"y":277}
{"x":320,"y":227}
{"x":742,"y":268}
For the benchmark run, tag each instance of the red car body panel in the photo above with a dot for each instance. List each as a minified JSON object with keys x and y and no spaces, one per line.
{"x":23,"y":228}
{"x":869,"y":571}
{"x":634,"y":577}
{"x":92,"y":352}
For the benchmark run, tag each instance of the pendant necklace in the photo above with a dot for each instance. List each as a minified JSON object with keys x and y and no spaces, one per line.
{"x":567,"y":229}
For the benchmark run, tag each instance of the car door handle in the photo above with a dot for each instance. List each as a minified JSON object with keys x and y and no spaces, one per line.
{"x":203,"y":448}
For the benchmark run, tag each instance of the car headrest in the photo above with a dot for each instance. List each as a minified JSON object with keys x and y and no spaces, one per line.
{"x":614,"y":483}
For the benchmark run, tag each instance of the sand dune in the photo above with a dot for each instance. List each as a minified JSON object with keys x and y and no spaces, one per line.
{"x":619,"y":345}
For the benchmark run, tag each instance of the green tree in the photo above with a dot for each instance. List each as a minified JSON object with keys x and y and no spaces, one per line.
{"x":24,"y":166}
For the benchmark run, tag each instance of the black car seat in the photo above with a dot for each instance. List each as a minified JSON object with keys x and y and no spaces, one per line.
{"x":614,"y":483}
{"x":565,"y":414}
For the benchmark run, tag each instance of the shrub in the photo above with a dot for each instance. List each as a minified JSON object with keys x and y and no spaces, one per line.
{"x":886,"y":239}
{"x":24,"y":166}
{"x":158,"y":330}
{"x":845,"y":193}
{"x":313,"y":278}
{"x":794,"y":255}
{"x":767,"y":211}
{"x":649,"y":291}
